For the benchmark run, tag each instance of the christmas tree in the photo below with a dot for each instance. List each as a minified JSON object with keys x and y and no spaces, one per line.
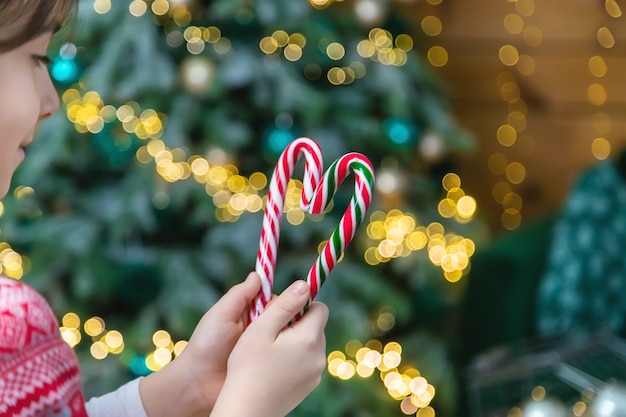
{"x":141,"y":201}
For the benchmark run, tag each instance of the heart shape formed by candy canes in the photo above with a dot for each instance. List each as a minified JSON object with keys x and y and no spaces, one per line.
{"x":317,"y":192}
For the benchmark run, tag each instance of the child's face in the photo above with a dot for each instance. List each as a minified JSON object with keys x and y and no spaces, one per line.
{"x":26,"y":96}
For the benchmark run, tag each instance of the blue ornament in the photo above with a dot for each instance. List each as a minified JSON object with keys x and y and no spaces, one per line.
{"x":276,"y":140}
{"x":65,"y":70}
{"x":138,"y":366}
{"x":401,"y":131}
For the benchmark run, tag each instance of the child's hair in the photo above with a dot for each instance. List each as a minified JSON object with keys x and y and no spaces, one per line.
{"x":24,"y":20}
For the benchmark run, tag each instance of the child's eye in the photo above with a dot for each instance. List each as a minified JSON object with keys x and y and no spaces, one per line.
{"x":42,"y":59}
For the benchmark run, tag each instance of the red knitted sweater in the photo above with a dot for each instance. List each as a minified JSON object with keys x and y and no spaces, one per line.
{"x":39,"y":374}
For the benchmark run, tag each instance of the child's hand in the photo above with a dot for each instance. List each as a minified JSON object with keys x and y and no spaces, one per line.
{"x":193,"y":380}
{"x":274,"y":367}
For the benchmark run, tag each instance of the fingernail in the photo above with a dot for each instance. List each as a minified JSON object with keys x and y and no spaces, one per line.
{"x":249,"y":277}
{"x":299,"y":287}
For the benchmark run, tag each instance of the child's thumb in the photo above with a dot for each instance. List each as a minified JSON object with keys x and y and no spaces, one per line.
{"x":284,"y":308}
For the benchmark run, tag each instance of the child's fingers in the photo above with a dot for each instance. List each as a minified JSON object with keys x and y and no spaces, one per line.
{"x":240,"y":296}
{"x":284,"y":307}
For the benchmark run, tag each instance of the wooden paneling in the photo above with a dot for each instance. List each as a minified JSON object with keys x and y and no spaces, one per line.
{"x":556,"y":143}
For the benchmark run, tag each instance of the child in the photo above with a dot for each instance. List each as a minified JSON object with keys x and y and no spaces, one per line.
{"x":265,"y":369}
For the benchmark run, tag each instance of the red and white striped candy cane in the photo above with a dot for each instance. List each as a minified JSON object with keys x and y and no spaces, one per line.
{"x":270,"y":233}
{"x":315,"y":197}
{"x":351,"y":219}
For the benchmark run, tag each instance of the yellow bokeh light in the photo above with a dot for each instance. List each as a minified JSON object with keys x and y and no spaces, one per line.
{"x":533,"y":36}
{"x":434,"y":229}
{"x":597,"y":66}
{"x":222,"y":46}
{"x":525,"y":7}
{"x":407,"y":406}
{"x":513,"y":23}
{"x":447,"y":208}
{"x":375,"y":345}
{"x":151,"y":363}
{"x":71,"y":320}
{"x":71,"y":336}
{"x":182,"y":17}
{"x":257,"y":181}
{"x":436,"y":254}
{"x":395,"y":234}
{"x":437,"y":56}
{"x":99,"y":350}
{"x":292,"y":52}
{"x":431,"y":25}
{"x":517,"y":120}
{"x":108,"y":113}
{"x":466,"y":206}
{"x":605,"y":37}
{"x":254,"y":203}
{"x":515,"y":172}
{"x":511,"y":219}
{"x":160,"y":7}
{"x":102,"y":6}
{"x":94,"y":326}
{"x":601,"y":148}
{"x":320,"y":4}
{"x":500,"y":190}
{"x":393,"y":347}
{"x":199,"y":166}
{"x":346,"y":370}
{"x":508,"y":55}
{"x":381,"y":38}
{"x":596,"y":94}
{"x":211,"y":34}
{"x":512,"y":200}
{"x":268,"y":45}
{"x":359,"y":69}
{"x":352,"y":347}
{"x":427,"y":411}
{"x":538,"y":393}
{"x":417,"y":240}
{"x":366,"y":49}
{"x":579,"y":408}
{"x":385,"y":321}
{"x":162,"y":356}
{"x":392,"y":380}
{"x":613,"y":8}
{"x":406,"y":224}
{"x":195,"y":46}
{"x":387,"y":248}
{"x":113,"y":339}
{"x":404,"y":42}
{"x":510,"y":91}
{"x":361,"y":353}
{"x":363,"y":370}
{"x":180,"y":346}
{"x":450,"y":181}
{"x":281,"y":37}
{"x":336,"y":354}
{"x":336,"y":76}
{"x":333,"y":366}
{"x":138,"y":8}
{"x":335,"y":51}
{"x":297,"y":39}
{"x":373,"y":358}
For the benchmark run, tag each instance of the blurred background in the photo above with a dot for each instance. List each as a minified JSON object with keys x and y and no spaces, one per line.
{"x":486,"y":278}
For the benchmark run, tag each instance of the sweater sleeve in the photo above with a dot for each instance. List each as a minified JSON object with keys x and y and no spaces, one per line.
{"x":123,"y":402}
